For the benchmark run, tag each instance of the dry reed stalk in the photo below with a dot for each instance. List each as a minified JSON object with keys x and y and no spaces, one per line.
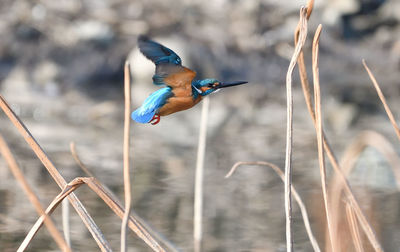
{"x":301,"y":63}
{"x":383,"y":99}
{"x":117,"y":208}
{"x":98,"y":188}
{"x":66,"y":222}
{"x":319,"y":129}
{"x":198,"y":186}
{"x":78,"y":161}
{"x":360,"y":215}
{"x":69,"y":188}
{"x":289,"y":129}
{"x":351,"y":155}
{"x":362,"y":141}
{"x":310,"y":8}
{"x":151,"y":231}
{"x":19,"y":176}
{"x":297,"y":197}
{"x":134,"y":225}
{"x":86,"y":218}
{"x":333,"y":160}
{"x":127,"y":180}
{"x":354,"y":231}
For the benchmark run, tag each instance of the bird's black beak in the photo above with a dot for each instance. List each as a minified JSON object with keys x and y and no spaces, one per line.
{"x":230,"y":84}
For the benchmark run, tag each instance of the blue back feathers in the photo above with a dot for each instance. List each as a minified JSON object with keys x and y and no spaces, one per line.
{"x":150,"y":106}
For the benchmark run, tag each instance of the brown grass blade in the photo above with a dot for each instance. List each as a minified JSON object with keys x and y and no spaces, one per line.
{"x":86,"y":218}
{"x":355,"y":233}
{"x":19,"y":176}
{"x":289,"y":129}
{"x":320,"y":138}
{"x":297,"y":197}
{"x":198,"y":187}
{"x":127,"y":180}
{"x":383,"y":100}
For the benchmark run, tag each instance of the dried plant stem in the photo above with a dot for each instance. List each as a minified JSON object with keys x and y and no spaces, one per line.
{"x":134,"y":215}
{"x":78,"y":161}
{"x":320,"y":138}
{"x":127,"y":180}
{"x":355,"y":233}
{"x":198,"y":190}
{"x":19,"y":176}
{"x":351,"y":155}
{"x":383,"y":100}
{"x":65,"y":222}
{"x":69,"y":188}
{"x":86,"y":218}
{"x":332,"y":158}
{"x":357,"y":146}
{"x":97,"y":187}
{"x":297,"y":197}
{"x":289,"y":130}
{"x":117,"y":208}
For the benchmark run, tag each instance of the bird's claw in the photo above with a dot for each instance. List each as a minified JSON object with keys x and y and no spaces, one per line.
{"x":155,"y":119}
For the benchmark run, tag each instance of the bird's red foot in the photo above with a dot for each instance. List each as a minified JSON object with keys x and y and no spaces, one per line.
{"x":155,"y":119}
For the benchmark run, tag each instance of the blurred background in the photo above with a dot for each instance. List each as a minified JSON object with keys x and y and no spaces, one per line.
{"x":61,"y":69}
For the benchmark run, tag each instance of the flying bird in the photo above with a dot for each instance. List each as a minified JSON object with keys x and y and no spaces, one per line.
{"x":181,"y":89}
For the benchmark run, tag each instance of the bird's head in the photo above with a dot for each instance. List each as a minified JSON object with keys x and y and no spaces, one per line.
{"x":207,"y":86}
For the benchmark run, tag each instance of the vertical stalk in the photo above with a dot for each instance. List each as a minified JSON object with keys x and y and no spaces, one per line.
{"x":198,"y":186}
{"x":127,"y":180}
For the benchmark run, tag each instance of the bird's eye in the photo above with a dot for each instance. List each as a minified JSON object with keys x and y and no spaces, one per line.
{"x":211,"y":85}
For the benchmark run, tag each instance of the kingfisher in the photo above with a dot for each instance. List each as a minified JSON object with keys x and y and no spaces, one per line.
{"x":181,"y":89}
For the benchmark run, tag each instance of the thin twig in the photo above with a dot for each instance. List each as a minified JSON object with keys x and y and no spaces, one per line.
{"x":297,"y":197}
{"x":289,"y":130}
{"x":198,"y":186}
{"x":319,"y":127}
{"x":127,"y":180}
{"x":354,"y":230}
{"x":19,"y":176}
{"x":383,"y":99}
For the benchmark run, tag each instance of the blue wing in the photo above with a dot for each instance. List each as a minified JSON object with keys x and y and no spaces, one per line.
{"x":150,"y":106}
{"x":166,"y":60}
{"x":157,"y":53}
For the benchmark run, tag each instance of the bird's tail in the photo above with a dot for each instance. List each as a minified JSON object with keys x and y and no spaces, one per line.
{"x":141,"y":117}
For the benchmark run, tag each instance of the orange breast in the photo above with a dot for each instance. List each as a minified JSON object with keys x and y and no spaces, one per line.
{"x":178,"y":103}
